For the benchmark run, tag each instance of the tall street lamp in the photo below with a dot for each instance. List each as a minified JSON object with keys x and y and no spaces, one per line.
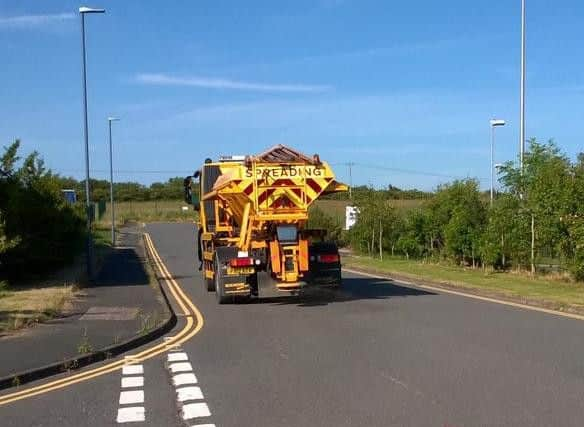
{"x":89,"y":243}
{"x":522,"y":90}
{"x":110,"y":120}
{"x":494,"y":123}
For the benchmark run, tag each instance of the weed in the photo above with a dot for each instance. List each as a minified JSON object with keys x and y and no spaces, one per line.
{"x":70,"y":365}
{"x":148,"y":322}
{"x":84,"y":346}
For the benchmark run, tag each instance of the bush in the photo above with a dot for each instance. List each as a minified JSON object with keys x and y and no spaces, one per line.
{"x":38,"y":230}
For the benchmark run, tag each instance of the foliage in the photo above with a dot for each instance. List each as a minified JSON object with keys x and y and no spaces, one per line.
{"x":38,"y":230}
{"x":457,"y":216}
{"x":377,"y":222}
{"x":457,"y":224}
{"x":392,"y":192}
{"x":126,"y":191}
{"x":507,"y":234}
{"x":414,"y":238}
{"x":320,"y":220}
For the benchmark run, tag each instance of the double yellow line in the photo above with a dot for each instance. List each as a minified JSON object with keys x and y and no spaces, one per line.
{"x":194,"y":323}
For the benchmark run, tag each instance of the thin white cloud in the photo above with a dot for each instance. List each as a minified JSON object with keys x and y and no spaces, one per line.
{"x":219,"y":83}
{"x":34,"y":21}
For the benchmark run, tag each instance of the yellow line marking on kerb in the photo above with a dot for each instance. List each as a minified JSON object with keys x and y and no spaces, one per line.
{"x":191,"y":329}
{"x":467,"y":295}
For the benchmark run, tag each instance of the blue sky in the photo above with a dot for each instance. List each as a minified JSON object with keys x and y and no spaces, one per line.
{"x":403,"y":89}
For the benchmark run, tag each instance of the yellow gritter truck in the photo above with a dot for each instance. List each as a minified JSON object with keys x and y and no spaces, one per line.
{"x":252,"y":233}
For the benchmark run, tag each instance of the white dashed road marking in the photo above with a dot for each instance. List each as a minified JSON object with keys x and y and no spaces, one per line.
{"x":132,"y":382}
{"x":183,"y":379}
{"x":189,"y":393}
{"x":131,"y":415}
{"x":132,"y":370}
{"x":132,"y":379}
{"x":131,"y":397}
{"x":195,"y":410}
{"x":178,"y":357}
{"x":180,"y":367}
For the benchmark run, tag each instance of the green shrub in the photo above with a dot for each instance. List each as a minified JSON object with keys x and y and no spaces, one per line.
{"x":38,"y":229}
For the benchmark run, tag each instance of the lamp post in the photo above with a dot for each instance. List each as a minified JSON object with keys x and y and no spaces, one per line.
{"x":494,"y":123}
{"x":89,"y":243}
{"x":109,"y":121}
{"x":522,"y":90}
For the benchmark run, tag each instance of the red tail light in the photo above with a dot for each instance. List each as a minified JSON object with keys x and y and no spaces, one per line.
{"x":328,"y":258}
{"x":241,"y":262}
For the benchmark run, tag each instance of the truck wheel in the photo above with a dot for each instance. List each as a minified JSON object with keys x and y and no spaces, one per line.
{"x":209,"y":283}
{"x":219,"y":283}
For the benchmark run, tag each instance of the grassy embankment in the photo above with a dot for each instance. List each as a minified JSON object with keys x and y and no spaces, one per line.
{"x":148,"y":211}
{"x":36,"y":300}
{"x":549,"y":292}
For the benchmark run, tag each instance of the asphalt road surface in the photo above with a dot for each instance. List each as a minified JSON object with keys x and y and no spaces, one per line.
{"x":376,"y":353}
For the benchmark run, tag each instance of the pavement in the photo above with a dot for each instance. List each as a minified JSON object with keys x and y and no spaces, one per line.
{"x":377,"y":353}
{"x":123,"y":303}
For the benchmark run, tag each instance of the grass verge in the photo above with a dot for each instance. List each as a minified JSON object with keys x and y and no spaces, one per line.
{"x":27,"y":306}
{"x":37,"y":300}
{"x":538,"y":291}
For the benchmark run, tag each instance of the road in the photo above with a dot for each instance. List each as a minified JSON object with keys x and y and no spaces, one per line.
{"x":375,"y":354}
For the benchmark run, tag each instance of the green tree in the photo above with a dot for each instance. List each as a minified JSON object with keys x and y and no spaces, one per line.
{"x":414,"y":239}
{"x":545,"y":189}
{"x":457,"y":216}
{"x":574,"y":222}
{"x":9,"y":158}
{"x":376,"y":221}
{"x":507,"y":234}
{"x":38,"y":230}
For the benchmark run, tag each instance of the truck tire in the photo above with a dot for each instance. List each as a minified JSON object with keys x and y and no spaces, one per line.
{"x":209,"y":283}
{"x":219,"y":283}
{"x":222,"y":255}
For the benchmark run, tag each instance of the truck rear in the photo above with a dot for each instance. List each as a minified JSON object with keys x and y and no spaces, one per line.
{"x":253,"y":212}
